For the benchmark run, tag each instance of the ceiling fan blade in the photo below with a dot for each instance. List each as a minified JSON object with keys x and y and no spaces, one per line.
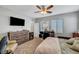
{"x":38,"y":7}
{"x":49,"y":7}
{"x":43,"y":8}
{"x":49,"y":11}
{"x":37,"y":11}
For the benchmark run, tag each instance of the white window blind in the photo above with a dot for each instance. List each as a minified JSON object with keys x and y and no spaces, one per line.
{"x":57,"y":25}
{"x":53,"y":25}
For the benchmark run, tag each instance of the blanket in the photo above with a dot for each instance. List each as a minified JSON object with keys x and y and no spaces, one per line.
{"x":49,"y":46}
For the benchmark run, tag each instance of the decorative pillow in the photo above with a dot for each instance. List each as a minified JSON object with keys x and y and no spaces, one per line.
{"x":75,"y":45}
{"x":1,"y":37}
{"x":3,"y":44}
{"x":70,"y":41}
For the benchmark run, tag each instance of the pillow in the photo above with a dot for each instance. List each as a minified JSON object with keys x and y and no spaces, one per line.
{"x":1,"y":37}
{"x":3,"y":44}
{"x":75,"y":45}
{"x":70,"y":41}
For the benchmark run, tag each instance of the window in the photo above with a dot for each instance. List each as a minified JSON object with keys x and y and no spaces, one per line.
{"x":57,"y":25}
{"x":53,"y":25}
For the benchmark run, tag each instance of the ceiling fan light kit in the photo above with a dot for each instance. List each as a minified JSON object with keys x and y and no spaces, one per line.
{"x":43,"y":12}
{"x":43,"y":9}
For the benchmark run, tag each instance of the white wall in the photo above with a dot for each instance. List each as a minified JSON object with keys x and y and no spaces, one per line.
{"x":70,"y":21}
{"x":5,"y":21}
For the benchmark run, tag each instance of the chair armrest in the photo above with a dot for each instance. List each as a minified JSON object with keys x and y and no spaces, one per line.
{"x":11,"y":47}
{"x":12,"y":41}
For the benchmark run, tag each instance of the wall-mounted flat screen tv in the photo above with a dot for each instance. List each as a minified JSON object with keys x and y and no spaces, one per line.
{"x":17,"y":21}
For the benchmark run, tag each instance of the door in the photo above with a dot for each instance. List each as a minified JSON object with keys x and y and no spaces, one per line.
{"x":36,"y":29}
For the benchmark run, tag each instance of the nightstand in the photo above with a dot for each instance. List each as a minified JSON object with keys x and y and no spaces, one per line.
{"x":31,"y":35}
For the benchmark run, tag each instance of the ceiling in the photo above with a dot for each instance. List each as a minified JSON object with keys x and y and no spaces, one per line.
{"x":29,"y":10}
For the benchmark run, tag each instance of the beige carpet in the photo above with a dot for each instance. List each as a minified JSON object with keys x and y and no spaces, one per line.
{"x":28,"y":47}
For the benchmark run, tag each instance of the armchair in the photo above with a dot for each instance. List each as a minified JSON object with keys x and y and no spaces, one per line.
{"x":12,"y":45}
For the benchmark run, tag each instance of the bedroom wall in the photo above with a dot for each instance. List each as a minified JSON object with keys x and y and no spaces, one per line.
{"x":70,"y":22}
{"x":5,"y":21}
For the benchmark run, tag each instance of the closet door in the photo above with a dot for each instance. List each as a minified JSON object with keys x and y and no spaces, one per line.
{"x":36,"y":29}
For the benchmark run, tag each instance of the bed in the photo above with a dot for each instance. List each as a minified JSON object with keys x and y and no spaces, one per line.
{"x":50,"y":45}
{"x":39,"y":46}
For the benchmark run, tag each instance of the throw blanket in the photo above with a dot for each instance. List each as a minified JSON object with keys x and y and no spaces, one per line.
{"x":49,"y":46}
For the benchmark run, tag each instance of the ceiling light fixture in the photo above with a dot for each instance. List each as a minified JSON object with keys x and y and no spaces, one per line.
{"x":43,"y":9}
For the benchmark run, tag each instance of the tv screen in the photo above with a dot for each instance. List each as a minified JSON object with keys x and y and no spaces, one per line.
{"x":16,"y":21}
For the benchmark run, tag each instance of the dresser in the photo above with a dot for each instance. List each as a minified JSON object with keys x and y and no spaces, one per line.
{"x":19,"y":36}
{"x":31,"y":35}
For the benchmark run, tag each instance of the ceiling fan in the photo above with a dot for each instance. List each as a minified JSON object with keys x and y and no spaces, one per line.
{"x":43,"y":9}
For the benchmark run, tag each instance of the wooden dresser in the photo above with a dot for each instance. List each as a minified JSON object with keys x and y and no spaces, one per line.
{"x":31,"y":35}
{"x":19,"y":36}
